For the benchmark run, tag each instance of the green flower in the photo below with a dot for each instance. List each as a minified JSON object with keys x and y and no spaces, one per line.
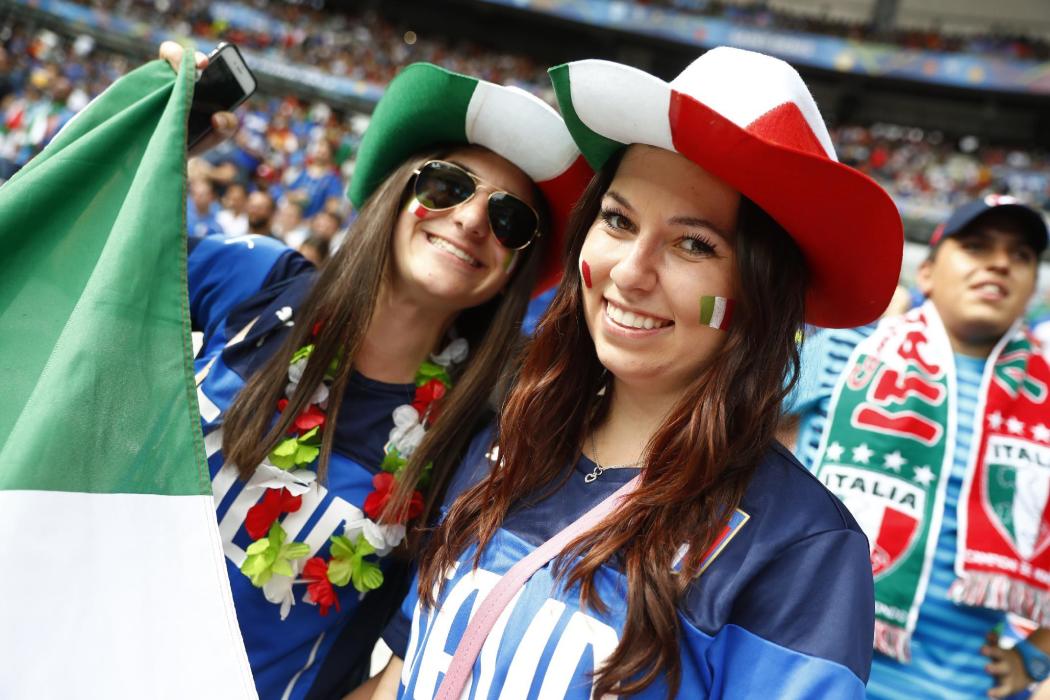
{"x":393,"y":462}
{"x":271,"y":555}
{"x":349,"y":565}
{"x":297,"y":451}
{"x":302,"y":353}
{"x":430,"y":370}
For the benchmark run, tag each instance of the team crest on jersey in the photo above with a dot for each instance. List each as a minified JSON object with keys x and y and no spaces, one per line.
{"x":1016,"y":480}
{"x":888,"y":508}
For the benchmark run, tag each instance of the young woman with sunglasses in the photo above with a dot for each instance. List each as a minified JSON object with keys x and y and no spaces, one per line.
{"x":335,"y":403}
{"x":706,"y":562}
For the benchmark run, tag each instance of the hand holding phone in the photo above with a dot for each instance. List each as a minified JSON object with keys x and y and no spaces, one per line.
{"x":224,"y":85}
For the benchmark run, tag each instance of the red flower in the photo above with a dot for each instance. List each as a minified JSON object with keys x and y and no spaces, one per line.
{"x":312,"y":417}
{"x":427,"y":394}
{"x":375,"y":502}
{"x":320,"y":589}
{"x":262,"y":515}
{"x":316,"y":330}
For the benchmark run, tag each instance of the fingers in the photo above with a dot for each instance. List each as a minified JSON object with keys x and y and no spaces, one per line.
{"x":224,"y":125}
{"x":171,"y":52}
{"x":994,"y":653}
{"x":998,"y":668}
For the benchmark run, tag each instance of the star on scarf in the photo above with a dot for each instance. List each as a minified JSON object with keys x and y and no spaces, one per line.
{"x":1041,"y":433}
{"x":1015,"y":426}
{"x":894,"y":460}
{"x":834,"y":451}
{"x":995,"y":420}
{"x":862,"y":454}
{"x":923,"y":475}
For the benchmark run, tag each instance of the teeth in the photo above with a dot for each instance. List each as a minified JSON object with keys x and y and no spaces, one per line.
{"x":445,"y":245}
{"x":633,"y":320}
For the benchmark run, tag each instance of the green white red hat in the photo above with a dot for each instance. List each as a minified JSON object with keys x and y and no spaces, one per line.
{"x":426,"y":105}
{"x":750,"y":120}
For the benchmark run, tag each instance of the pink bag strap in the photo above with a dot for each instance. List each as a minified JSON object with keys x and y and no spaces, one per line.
{"x":508,"y":586}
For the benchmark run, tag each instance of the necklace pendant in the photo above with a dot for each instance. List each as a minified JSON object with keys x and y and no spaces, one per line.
{"x":598,"y":471}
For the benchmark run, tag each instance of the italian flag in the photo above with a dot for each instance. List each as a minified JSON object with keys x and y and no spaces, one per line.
{"x":114,"y":584}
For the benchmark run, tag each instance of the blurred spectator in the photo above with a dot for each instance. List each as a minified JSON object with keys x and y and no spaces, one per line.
{"x":201,"y":209}
{"x":288,"y":224}
{"x":259,"y":212}
{"x":318,"y":185}
{"x":315,"y":250}
{"x":232,"y":218}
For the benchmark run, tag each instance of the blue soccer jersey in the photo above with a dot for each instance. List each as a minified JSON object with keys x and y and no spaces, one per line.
{"x":234,"y":282}
{"x":946,"y":663}
{"x":783,"y":608}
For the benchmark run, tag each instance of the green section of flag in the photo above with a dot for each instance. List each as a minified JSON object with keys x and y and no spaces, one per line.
{"x":707,"y":310}
{"x":94,"y":320}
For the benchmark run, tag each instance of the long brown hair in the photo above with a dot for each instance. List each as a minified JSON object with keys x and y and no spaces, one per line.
{"x":696,"y":466}
{"x":344,"y":299}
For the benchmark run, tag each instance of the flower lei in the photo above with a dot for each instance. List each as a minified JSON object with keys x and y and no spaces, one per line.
{"x":273,"y":563}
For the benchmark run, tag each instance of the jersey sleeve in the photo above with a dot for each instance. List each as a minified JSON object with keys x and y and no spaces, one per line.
{"x":223,"y":272}
{"x":802,"y":629}
{"x":397,"y":632}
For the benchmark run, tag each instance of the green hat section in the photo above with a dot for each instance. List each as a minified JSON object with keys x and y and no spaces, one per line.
{"x":595,"y":148}
{"x":424,"y":105}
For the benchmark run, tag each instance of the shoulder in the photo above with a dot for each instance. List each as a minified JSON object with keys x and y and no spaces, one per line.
{"x":257,"y":251}
{"x":786,"y":498}
{"x":480,"y":458}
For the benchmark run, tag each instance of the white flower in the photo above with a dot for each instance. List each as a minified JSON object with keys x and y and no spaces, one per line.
{"x":383,"y":537}
{"x":455,"y":352}
{"x":407,"y":432}
{"x":355,"y":523}
{"x":295,"y":370}
{"x":319,"y":397}
{"x":268,"y":476}
{"x":278,"y":589}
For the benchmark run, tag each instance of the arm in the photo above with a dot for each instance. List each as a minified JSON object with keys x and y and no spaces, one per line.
{"x":389,"y":680}
{"x":1010,"y":669}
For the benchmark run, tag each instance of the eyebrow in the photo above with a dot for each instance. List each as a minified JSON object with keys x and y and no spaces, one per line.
{"x":691,"y":221}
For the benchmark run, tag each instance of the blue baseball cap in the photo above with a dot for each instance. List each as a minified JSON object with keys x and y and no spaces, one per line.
{"x":1030,"y":220}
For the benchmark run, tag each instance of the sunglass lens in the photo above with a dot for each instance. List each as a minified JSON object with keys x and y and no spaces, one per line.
{"x":442,"y":185}
{"x":513,"y":221}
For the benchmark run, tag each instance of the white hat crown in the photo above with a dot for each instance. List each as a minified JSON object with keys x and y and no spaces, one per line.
{"x":743,"y":86}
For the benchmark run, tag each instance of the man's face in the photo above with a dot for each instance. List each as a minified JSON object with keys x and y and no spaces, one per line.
{"x":980,"y":281}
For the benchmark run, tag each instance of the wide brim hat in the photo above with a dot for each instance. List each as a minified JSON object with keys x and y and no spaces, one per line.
{"x":426,"y":105}
{"x":750,"y":120}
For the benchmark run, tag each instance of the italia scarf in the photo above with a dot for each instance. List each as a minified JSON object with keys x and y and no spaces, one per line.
{"x":887,"y":453}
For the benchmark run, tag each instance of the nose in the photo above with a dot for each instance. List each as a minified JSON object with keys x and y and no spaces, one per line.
{"x":473,"y":216}
{"x":1000,"y":258}
{"x":636,"y":270}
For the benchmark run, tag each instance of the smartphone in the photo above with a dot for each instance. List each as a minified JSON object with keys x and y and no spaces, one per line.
{"x":222,"y":86}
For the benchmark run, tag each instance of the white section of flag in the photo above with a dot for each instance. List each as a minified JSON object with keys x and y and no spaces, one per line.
{"x":71,"y":623}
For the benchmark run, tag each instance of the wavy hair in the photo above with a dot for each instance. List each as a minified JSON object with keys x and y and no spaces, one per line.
{"x":697,"y":465}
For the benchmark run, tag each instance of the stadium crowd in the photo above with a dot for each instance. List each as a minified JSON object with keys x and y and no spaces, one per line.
{"x":300,"y":155}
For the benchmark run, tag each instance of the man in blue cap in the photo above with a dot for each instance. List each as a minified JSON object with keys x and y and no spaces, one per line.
{"x":932,"y":428}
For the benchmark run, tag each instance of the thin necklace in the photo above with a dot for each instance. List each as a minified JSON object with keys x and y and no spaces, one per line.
{"x":599,"y":469}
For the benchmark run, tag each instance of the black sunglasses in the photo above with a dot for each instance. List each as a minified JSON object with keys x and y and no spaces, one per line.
{"x":440,"y":185}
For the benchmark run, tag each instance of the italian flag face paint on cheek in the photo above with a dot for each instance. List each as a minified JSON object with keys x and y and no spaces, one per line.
{"x":418,"y":209}
{"x":716,"y":312}
{"x":585,"y":271}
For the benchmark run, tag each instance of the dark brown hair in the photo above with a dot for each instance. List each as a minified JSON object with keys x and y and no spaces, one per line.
{"x":344,"y":298}
{"x":696,"y":466}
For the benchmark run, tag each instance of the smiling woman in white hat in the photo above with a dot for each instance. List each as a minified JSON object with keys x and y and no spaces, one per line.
{"x":693,"y":556}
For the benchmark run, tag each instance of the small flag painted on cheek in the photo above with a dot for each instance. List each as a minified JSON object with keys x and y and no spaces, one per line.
{"x":716,"y":312}
{"x":415,"y":207}
{"x":585,"y":270}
